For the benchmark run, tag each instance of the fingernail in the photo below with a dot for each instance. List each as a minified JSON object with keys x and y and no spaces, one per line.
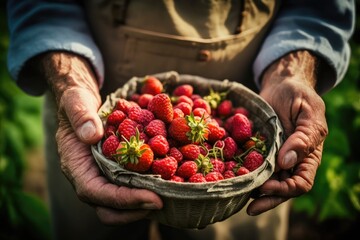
{"x":290,"y":159}
{"x":87,"y":130}
{"x":150,"y":206}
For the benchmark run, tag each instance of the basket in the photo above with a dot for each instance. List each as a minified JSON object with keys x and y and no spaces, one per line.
{"x":194,"y":205}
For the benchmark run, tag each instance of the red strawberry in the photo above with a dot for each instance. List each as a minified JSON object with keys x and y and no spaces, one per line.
{"x":218,"y":165}
{"x":215,"y":131}
{"x":115,"y":118}
{"x":214,"y":177}
{"x":175,"y":153}
{"x":242,"y":171}
{"x":123,"y":105}
{"x":166,"y":167}
{"x":230,"y":148}
{"x":178,"y":113}
{"x":127,"y":128}
{"x":181,"y":99}
{"x":151,"y":85}
{"x":201,"y":112}
{"x":184,"y":89}
{"x":256,"y":142}
{"x":177,"y":179}
{"x":241,"y":128}
{"x":230,"y":165}
{"x":185,"y":107}
{"x":135,"y":155}
{"x":161,"y":107}
{"x":197,"y":178}
{"x":142,"y":116}
{"x":144,"y":100}
{"x":109,"y":130}
{"x":241,"y":110}
{"x":178,"y":130}
{"x":110,"y":145}
{"x":159,"y":145}
{"x":187,"y":169}
{"x":225,"y":108}
{"x":201,"y":103}
{"x":253,"y":160}
{"x":155,"y":127}
{"x":229,"y":174}
{"x":190,"y":151}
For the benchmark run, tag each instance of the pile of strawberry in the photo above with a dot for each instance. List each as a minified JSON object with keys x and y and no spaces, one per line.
{"x":182,"y":136}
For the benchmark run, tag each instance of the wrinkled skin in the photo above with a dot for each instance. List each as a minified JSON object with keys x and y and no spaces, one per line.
{"x":287,"y":87}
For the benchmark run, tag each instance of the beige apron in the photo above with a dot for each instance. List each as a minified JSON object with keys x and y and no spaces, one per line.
{"x":212,"y":38}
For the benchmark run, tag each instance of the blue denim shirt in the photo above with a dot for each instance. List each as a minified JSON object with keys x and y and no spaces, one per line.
{"x":322,"y":26}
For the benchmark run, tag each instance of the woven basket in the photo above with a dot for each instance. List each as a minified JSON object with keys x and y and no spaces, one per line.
{"x":194,"y":205}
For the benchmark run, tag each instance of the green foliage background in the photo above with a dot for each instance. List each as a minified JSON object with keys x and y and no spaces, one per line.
{"x":335,"y":195}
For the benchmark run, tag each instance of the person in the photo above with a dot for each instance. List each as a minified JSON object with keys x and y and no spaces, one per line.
{"x":76,"y":52}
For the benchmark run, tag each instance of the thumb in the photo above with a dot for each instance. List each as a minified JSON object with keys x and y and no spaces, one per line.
{"x":80,"y":106}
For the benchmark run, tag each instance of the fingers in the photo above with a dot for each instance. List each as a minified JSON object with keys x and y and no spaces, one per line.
{"x":310,"y":131}
{"x":81,"y":106}
{"x":264,"y":204}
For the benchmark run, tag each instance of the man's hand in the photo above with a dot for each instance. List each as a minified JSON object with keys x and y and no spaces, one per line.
{"x":77,"y":95}
{"x":288,"y":86}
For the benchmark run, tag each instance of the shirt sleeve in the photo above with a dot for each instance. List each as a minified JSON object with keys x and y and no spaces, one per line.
{"x":323,"y":27}
{"x":39,"y":26}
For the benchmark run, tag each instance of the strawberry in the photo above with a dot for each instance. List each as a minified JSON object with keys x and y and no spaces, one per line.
{"x":177,"y":179}
{"x":181,"y":99}
{"x":178,"y":130}
{"x":230,"y":165}
{"x":184,"y":89}
{"x":178,"y":113}
{"x":224,"y":109}
{"x":190,"y":151}
{"x":144,"y":100}
{"x":109,"y":146}
{"x":255,"y":142}
{"x":123,"y":105}
{"x":201,"y":103}
{"x":185,"y":107}
{"x":253,"y":160}
{"x":215,"y":131}
{"x":230,"y":148}
{"x":115,"y":118}
{"x":213,"y":177}
{"x":241,"y":128}
{"x":218,"y":165}
{"x":151,"y":85}
{"x":155,"y":127}
{"x":197,"y":178}
{"x":241,"y":171}
{"x":165,"y":167}
{"x":175,"y":153}
{"x":139,"y":115}
{"x":187,"y":169}
{"x":241,"y":110}
{"x":159,"y":145}
{"x":127,"y":128}
{"x":135,"y":155}
{"x":109,"y":130}
{"x":229,"y":174}
{"x":201,"y":112}
{"x":160,"y":105}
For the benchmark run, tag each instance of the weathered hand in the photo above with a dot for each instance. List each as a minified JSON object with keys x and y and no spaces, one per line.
{"x":77,"y":95}
{"x":288,"y":86}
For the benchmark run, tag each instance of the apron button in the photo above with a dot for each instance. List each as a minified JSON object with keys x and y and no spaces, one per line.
{"x":204,"y":55}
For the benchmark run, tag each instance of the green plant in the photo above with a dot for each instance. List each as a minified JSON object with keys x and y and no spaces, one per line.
{"x":22,"y":215}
